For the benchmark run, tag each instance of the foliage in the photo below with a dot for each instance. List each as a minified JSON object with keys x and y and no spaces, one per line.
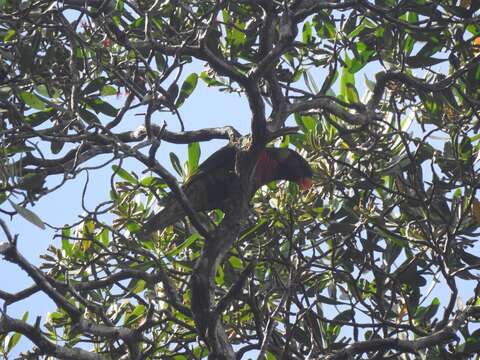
{"x":378,"y":259}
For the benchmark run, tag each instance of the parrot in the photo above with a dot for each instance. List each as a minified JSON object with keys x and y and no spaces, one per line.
{"x":210,"y":185}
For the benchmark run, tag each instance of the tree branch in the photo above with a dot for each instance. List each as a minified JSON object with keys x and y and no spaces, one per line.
{"x":443,"y":336}
{"x":8,"y":324}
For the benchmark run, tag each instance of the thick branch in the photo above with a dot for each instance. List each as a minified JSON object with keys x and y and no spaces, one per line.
{"x":8,"y":324}
{"x":11,"y":254}
{"x":22,"y":294}
{"x":287,"y":34}
{"x":329,"y":106}
{"x":418,"y":84}
{"x":443,"y":336}
{"x":183,"y":137}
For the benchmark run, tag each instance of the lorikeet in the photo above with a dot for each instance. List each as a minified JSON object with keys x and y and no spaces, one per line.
{"x":211,"y":183}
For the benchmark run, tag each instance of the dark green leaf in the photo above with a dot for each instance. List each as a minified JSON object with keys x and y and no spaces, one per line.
{"x":56,"y":146}
{"x":95,"y":85}
{"x":176,"y":164}
{"x":38,"y":118}
{"x":101,"y":106}
{"x":420,"y":62}
{"x":88,"y":116}
{"x":26,"y":56}
{"x":346,"y":316}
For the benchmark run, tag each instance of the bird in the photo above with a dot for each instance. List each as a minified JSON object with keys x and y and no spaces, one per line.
{"x":211,"y":184}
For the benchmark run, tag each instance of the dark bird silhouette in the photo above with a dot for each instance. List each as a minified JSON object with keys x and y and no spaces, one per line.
{"x":211,"y":184}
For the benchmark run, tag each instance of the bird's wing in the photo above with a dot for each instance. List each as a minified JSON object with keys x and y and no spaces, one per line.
{"x":205,"y":189}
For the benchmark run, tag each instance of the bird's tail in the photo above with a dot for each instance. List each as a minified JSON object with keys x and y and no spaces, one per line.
{"x":167,"y":216}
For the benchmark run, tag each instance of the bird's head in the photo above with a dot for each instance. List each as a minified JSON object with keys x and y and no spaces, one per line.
{"x":283,"y":164}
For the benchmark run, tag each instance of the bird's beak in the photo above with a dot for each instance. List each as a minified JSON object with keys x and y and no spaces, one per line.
{"x":305,"y":183}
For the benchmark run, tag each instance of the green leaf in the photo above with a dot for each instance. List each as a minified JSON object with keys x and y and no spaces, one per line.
{"x":66,"y":245}
{"x":309,"y":122}
{"x":324,"y":26}
{"x":347,"y":80}
{"x":160,"y":61}
{"x":310,"y":82}
{"x":363,"y":55}
{"x":32,"y":100}
{"x":28,"y":215}
{"x":124,"y":174}
{"x":328,"y":300}
{"x":10,"y":33}
{"x":421,"y":61}
{"x":357,"y":30}
{"x":408,"y":44}
{"x":38,"y":118}
{"x":352,"y":94}
{"x":108,"y":90}
{"x":189,"y":241}
{"x":176,"y":164}
{"x":103,"y":236}
{"x":346,"y":315}
{"x":88,"y":116}
{"x":193,"y":157}
{"x":220,"y":276}
{"x":139,"y":286}
{"x":95,"y":85}
{"x":236,"y":37}
{"x":210,"y":81}
{"x":307,"y":33}
{"x":236,"y":262}
{"x":262,"y":224}
{"x":100,"y":106}
{"x":12,"y":341}
{"x":187,"y":89}
{"x":172,"y":92}
{"x":270,"y":356}
{"x":56,"y":146}
{"x":120,"y":5}
{"x":136,"y":314}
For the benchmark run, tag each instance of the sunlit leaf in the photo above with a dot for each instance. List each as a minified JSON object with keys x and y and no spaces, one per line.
{"x":124,"y":174}
{"x":193,"y":156}
{"x":28,"y":215}
{"x":187,"y":89}
{"x":32,"y":100}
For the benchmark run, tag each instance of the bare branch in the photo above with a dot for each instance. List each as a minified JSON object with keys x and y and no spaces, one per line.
{"x":9,"y":324}
{"x":443,"y":336}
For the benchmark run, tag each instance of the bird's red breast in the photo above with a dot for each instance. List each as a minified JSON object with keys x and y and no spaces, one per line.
{"x":305,"y":183}
{"x":265,"y":168}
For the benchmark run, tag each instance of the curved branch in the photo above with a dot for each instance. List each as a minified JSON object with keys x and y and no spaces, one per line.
{"x":182,"y":137}
{"x":418,"y":84}
{"x":329,"y":106}
{"x":9,"y":324}
{"x":443,"y":336}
